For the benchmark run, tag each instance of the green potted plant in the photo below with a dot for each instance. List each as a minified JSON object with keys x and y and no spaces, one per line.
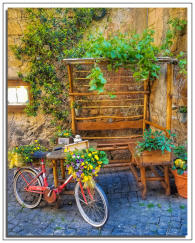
{"x":63,"y":136}
{"x":155,"y":146}
{"x":22,"y":155}
{"x":179,"y":170}
{"x":183,"y":113}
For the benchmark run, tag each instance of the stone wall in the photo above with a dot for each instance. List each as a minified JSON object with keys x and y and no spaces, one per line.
{"x":23,"y":129}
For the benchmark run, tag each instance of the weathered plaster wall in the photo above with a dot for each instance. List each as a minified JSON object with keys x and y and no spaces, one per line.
{"x":22,"y":129}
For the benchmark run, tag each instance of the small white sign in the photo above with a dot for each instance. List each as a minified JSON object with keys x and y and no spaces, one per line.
{"x":63,"y":141}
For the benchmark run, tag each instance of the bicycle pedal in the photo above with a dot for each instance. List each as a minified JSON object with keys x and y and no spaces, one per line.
{"x":49,"y":195}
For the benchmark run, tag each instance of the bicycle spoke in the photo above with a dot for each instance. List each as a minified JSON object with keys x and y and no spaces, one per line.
{"x":21,"y":181}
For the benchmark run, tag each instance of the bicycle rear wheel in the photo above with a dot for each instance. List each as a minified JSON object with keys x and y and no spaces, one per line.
{"x":94,"y":211}
{"x":24,"y":197}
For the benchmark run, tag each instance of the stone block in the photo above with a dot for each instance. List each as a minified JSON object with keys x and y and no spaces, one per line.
{"x":14,"y":28}
{"x":14,"y":13}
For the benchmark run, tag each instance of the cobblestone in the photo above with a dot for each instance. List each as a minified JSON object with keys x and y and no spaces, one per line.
{"x":129,"y":215}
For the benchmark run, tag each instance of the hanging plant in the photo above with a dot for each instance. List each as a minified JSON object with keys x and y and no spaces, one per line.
{"x":136,"y":52}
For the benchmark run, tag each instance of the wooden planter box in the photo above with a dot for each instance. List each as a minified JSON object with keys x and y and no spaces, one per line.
{"x":155,"y":157}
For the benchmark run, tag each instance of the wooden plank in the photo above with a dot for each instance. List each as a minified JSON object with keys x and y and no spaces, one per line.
{"x":110,"y":106}
{"x":122,"y":137}
{"x":112,"y":148}
{"x":157,"y":126}
{"x":155,"y":178}
{"x":103,"y":117}
{"x":107,"y":93}
{"x":169,"y":95}
{"x":73,"y":125}
{"x":16,"y":82}
{"x":127,"y":84}
{"x":115,"y":161}
{"x":111,"y":100}
{"x":101,"y":59}
{"x":116,"y":165}
{"x":145,"y":104}
{"x":91,"y":126}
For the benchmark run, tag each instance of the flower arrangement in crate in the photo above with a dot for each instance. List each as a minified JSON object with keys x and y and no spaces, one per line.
{"x":22,"y":155}
{"x":85,"y":164}
{"x":156,"y":145}
{"x":64,"y":136}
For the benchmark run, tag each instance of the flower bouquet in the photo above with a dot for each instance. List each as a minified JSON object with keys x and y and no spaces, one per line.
{"x":21,"y":155}
{"x":85,"y":164}
{"x":64,"y":136}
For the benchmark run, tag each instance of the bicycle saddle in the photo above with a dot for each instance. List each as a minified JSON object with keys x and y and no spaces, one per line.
{"x":39,"y":155}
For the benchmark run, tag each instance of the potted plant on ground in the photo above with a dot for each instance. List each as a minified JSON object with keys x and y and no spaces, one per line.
{"x":155,"y":146}
{"x":63,"y":136}
{"x":179,"y":170}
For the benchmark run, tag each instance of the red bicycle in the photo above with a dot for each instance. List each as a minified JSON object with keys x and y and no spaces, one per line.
{"x":30,"y":185}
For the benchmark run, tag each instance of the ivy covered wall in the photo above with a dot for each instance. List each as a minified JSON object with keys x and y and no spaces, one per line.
{"x":23,"y":129}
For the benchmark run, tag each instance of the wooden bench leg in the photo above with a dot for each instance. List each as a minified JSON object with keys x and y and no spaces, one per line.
{"x":143,"y":181}
{"x":166,"y":175}
{"x":55,"y":173}
{"x":62,"y":168}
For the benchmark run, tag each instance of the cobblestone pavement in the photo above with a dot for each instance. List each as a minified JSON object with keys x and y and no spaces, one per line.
{"x":129,"y":215}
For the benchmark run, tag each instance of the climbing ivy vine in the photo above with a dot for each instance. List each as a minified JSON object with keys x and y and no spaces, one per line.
{"x":49,"y":33}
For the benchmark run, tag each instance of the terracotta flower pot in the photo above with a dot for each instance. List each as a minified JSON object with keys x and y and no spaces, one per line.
{"x":181,"y":182}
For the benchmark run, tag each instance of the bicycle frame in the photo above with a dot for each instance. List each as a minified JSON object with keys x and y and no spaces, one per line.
{"x":40,"y":189}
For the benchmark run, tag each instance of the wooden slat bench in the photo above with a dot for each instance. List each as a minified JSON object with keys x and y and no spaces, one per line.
{"x":125,"y":89}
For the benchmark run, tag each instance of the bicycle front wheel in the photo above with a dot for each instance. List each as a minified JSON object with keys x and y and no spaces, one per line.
{"x":21,"y":180}
{"x":95,"y":209}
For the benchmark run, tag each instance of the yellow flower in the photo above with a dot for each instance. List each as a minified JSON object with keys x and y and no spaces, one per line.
{"x":82,"y":156}
{"x":74,"y":175}
{"x":86,"y":178}
{"x":65,"y":150}
{"x":96,"y":157}
{"x":16,"y":148}
{"x":97,"y":169}
{"x":70,"y":170}
{"x":89,"y":154}
{"x":36,"y":141}
{"x":178,"y":162}
{"x":99,"y":162}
